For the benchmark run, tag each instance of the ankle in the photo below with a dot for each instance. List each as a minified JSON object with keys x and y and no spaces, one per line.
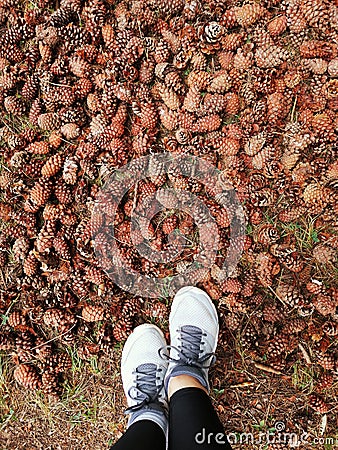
{"x":183,"y":381}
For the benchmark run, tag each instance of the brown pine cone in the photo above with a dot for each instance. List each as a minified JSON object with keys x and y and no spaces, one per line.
{"x":93,"y":313}
{"x":14,"y":105}
{"x":289,"y":294}
{"x":324,"y":304}
{"x":52,"y":166}
{"x":325,"y":381}
{"x":24,"y":343}
{"x":94,"y":275}
{"x":63,"y":192}
{"x":315,"y":287}
{"x":265,"y":268}
{"x":49,"y":121}
{"x":294,"y":326}
{"x":248,"y":14}
{"x":318,"y":404}
{"x":49,"y":384}
{"x":277,"y":25}
{"x":324,"y":254}
{"x":156,"y":310}
{"x":270,"y":56}
{"x":16,"y":319}
{"x":40,"y":192}
{"x":79,"y":67}
{"x":267,"y":234}
{"x":169,"y":97}
{"x":20,"y":248}
{"x":132,"y":307}
{"x":233,"y":322}
{"x":27,"y":376}
{"x":122,"y":329}
{"x":70,"y":130}
{"x":30,"y":265}
{"x":232,"y":285}
{"x":38,"y":148}
{"x":330,"y":328}
{"x":169,"y":224}
{"x":280,"y":344}
{"x":61,"y":248}
{"x":148,"y":115}
{"x":56,"y":318}
{"x":326,"y":360}
{"x":44,"y":240}
{"x":70,"y":170}
{"x":272,"y":314}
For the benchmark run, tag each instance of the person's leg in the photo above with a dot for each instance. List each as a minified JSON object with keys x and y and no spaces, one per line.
{"x":193,"y":422}
{"x":143,"y":371}
{"x":142,"y":435}
{"x":193,"y":323}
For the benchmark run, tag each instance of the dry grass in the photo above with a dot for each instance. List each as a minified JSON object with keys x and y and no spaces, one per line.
{"x":88,"y":415}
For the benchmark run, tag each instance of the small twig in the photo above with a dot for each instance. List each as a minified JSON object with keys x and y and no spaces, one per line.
{"x":245,"y":384}
{"x":278,"y":297}
{"x":54,"y":339}
{"x":305,"y":354}
{"x":267,"y":368}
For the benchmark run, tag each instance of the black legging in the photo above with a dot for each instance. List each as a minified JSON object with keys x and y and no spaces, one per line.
{"x":193,"y":425}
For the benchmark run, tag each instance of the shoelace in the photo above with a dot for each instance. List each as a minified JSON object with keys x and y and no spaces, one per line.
{"x":189,"y":350}
{"x":145,"y":388}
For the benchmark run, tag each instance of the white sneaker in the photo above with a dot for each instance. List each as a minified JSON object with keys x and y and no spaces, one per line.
{"x":193,"y":325}
{"x":143,"y":371}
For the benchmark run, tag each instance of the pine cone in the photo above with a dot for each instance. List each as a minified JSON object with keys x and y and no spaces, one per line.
{"x":325,"y":381}
{"x":14,"y":105}
{"x":40,"y":192}
{"x":122,"y":329}
{"x":49,"y":384}
{"x":16,"y":319}
{"x":280,"y":344}
{"x":294,"y":326}
{"x":38,"y":148}
{"x":49,"y":121}
{"x":20,"y":248}
{"x":267,"y":234}
{"x":326,"y":360}
{"x":265,"y":268}
{"x":324,"y":304}
{"x":70,"y":131}
{"x":330,"y":328}
{"x":61,"y":247}
{"x":277,"y":25}
{"x":169,"y":97}
{"x":324,"y":254}
{"x":52,"y":166}
{"x":70,"y":170}
{"x":170,"y":224}
{"x":27,"y":376}
{"x":249,"y":14}
{"x":93,"y":313}
{"x":317,"y":403}
{"x":289,"y":294}
{"x":30,"y":265}
{"x":157,"y":310}
{"x":270,"y":56}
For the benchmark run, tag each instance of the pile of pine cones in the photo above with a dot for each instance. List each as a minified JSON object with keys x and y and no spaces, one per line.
{"x":252,"y":87}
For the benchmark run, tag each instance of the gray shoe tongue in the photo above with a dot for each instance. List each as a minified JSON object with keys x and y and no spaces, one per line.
{"x":192,"y":329}
{"x":146,"y":366}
